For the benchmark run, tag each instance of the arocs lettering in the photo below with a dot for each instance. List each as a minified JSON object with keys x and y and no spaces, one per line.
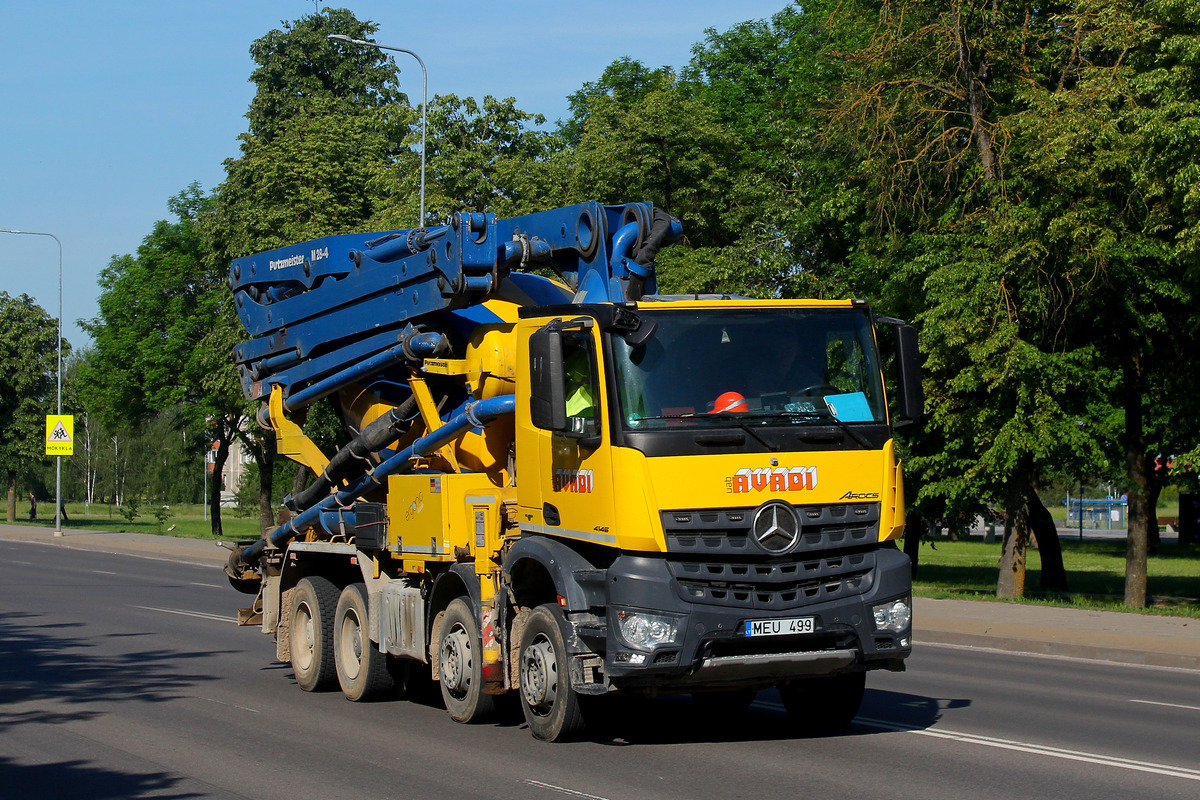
{"x":774,"y":479}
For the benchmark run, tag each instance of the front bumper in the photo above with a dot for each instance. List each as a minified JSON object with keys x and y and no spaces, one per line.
{"x":711,"y":648}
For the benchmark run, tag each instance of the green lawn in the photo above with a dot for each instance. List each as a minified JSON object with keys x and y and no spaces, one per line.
{"x":1095,"y":574}
{"x":188,"y":520}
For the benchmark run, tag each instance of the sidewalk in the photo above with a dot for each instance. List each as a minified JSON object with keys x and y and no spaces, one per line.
{"x":1098,"y":635}
{"x":170,"y":548}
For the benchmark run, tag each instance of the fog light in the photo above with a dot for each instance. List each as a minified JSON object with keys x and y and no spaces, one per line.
{"x":894,"y":616}
{"x":639,"y":629}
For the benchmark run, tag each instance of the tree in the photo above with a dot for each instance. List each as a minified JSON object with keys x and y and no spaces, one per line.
{"x":298,"y":65}
{"x":664,"y":146}
{"x":151,"y":354}
{"x":28,"y":363}
{"x":488,"y":157}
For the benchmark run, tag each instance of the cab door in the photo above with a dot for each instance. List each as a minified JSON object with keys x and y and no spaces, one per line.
{"x":564,"y":459}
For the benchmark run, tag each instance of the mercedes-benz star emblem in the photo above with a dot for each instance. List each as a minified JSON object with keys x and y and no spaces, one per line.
{"x":776,"y":527}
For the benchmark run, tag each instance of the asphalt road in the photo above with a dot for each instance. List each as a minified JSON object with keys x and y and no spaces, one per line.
{"x":125,"y":677}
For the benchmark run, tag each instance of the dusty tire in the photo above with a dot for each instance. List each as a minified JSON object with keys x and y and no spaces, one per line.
{"x":314,"y":601}
{"x":550,"y":705}
{"x":460,"y":659}
{"x":361,"y":669}
{"x":820,"y":706}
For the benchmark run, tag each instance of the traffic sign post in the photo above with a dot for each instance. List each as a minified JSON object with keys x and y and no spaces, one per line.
{"x":60,"y":441}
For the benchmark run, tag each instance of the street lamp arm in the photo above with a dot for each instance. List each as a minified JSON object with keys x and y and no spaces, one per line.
{"x":424,"y":100}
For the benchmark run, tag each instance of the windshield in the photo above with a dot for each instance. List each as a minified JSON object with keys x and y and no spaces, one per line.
{"x":706,"y":368}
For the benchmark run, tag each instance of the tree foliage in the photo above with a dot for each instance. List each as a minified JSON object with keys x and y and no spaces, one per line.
{"x":28,"y":368}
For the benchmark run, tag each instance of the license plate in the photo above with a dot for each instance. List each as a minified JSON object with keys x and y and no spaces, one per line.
{"x":779,"y":627}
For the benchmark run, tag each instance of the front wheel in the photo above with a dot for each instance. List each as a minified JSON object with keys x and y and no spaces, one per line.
{"x":551,"y":706}
{"x":826,"y":705}
{"x":460,"y":655}
{"x":361,"y":669}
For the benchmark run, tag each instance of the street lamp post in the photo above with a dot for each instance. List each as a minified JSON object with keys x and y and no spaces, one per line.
{"x":57,"y":459}
{"x":424,"y":102}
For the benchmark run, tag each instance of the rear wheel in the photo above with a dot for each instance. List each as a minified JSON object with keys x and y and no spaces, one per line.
{"x":361,"y":669}
{"x":824,"y":705}
{"x":460,"y":656}
{"x":550,"y":705}
{"x":314,"y":602}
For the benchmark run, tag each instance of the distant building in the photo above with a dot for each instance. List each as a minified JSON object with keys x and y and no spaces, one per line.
{"x":231,"y":474}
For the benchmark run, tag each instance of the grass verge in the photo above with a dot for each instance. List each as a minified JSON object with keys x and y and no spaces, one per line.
{"x":188,"y":521}
{"x":968,"y":568}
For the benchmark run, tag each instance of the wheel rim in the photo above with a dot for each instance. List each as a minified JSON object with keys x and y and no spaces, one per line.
{"x":350,"y":644}
{"x":456,"y":661}
{"x":539,"y":675}
{"x":303,"y":656}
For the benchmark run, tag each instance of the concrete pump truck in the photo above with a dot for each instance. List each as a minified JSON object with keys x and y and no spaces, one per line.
{"x":569,"y":486}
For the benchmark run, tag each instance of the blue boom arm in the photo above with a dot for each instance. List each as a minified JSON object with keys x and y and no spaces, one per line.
{"x":330,"y":311}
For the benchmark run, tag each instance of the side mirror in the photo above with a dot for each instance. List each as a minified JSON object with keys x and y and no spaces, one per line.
{"x":911,"y":402}
{"x":547,"y":400}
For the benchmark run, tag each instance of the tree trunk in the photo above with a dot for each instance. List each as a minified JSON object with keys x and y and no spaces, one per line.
{"x":11,"y":515}
{"x":266,"y":480}
{"x":1045,"y":531}
{"x":1159,"y":473}
{"x":974,"y":76}
{"x":913,"y":526}
{"x":1011,"y":582}
{"x":214,"y":494}
{"x":1141,"y":515}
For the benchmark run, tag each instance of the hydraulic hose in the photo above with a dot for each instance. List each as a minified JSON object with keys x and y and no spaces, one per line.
{"x":356,"y":456}
{"x":475,"y":415}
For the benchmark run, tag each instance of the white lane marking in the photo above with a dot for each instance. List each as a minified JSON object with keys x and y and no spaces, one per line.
{"x":208,"y":585}
{"x":1053,"y":657}
{"x":563,"y":790}
{"x":197,"y":614}
{"x":1041,"y":750}
{"x":1168,"y":705}
{"x":231,"y":705}
{"x":103,"y":572}
{"x":22,"y":563}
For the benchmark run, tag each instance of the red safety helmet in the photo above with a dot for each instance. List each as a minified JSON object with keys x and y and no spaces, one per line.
{"x":730,"y":401}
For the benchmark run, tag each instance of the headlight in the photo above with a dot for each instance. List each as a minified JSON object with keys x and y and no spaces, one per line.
{"x":640,"y":629}
{"x":894,"y":616}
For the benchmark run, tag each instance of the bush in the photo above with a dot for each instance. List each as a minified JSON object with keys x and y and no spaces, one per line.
{"x":131,"y":508}
{"x":162,"y":514}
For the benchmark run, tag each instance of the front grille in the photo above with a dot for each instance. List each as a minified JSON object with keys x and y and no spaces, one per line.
{"x":775,"y":585}
{"x":714,"y":560}
{"x":726,"y":531}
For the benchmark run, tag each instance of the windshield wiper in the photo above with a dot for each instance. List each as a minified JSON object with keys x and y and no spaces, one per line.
{"x":822,"y":414}
{"x":734,"y":417}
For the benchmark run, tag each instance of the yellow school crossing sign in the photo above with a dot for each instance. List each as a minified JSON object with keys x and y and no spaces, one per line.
{"x":60,"y":434}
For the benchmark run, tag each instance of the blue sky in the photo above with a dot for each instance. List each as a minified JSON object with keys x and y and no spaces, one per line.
{"x":109,"y":108}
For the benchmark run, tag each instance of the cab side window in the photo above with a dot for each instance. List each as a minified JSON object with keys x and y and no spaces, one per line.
{"x":582,"y":389}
